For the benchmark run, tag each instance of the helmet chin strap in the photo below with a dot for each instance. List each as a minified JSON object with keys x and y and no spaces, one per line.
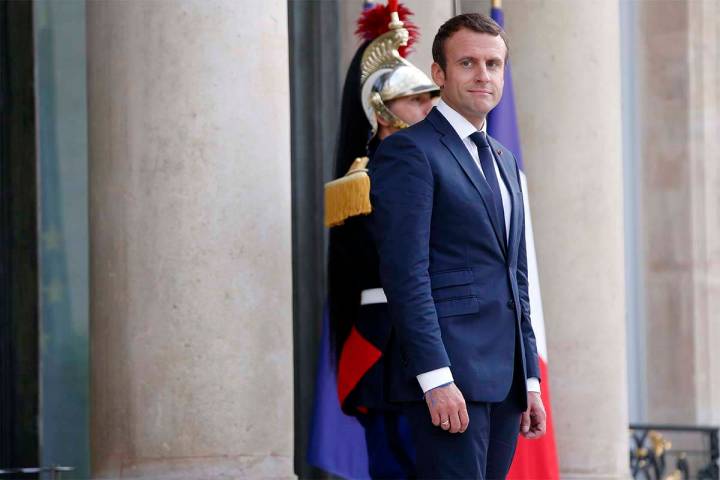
{"x":383,"y":111}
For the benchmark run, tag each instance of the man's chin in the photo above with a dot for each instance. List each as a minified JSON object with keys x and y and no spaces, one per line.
{"x":484,"y":108}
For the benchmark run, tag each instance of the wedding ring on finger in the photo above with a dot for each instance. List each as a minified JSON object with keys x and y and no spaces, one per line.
{"x":445,"y":423}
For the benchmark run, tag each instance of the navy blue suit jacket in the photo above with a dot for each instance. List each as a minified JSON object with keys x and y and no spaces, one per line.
{"x":457,"y":292}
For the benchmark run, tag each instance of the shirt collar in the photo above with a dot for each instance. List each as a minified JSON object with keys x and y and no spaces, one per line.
{"x":460,"y":124}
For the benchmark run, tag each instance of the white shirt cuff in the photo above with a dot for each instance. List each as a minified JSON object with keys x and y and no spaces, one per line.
{"x":434,"y":378}
{"x":533,"y":385}
{"x":441,"y":376}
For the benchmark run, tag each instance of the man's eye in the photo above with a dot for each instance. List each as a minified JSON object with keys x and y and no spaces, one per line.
{"x":466,"y":63}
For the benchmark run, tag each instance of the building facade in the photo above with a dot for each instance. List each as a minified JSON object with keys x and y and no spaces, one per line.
{"x":177,"y":274}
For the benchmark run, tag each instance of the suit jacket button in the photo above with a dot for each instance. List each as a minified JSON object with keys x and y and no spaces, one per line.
{"x":511,"y":304}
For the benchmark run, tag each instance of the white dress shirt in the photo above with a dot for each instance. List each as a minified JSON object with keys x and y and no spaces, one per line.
{"x":464,"y":129}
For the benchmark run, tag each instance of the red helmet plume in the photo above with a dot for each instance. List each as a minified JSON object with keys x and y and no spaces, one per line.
{"x":374,"y":21}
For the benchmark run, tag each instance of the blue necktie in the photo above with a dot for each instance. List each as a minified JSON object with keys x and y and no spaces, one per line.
{"x":488,"y":167}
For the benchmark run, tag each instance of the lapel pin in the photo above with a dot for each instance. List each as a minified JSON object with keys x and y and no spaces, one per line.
{"x":499,"y":152}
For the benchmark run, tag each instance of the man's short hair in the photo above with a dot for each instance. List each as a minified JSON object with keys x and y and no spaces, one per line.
{"x":477,"y":22}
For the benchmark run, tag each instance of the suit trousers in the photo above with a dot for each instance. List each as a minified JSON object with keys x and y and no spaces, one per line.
{"x":483,"y":452}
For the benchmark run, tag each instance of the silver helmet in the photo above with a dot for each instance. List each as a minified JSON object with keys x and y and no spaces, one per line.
{"x":386,"y":75}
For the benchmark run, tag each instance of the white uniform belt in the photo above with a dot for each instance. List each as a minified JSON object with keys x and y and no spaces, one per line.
{"x":372,"y":295}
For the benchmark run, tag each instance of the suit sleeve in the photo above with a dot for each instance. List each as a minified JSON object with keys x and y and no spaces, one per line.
{"x":531,"y":355}
{"x":402,"y":199}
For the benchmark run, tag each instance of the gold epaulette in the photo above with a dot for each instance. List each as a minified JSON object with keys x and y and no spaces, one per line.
{"x":348,"y":196}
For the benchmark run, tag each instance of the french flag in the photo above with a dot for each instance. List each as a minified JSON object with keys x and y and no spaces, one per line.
{"x":534,"y":459}
{"x":336,"y":441}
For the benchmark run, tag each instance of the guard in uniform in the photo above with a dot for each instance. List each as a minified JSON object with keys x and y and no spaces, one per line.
{"x":383,"y":93}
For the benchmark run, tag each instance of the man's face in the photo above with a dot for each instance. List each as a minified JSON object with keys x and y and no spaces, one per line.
{"x":472,"y":82}
{"x":413,"y":108}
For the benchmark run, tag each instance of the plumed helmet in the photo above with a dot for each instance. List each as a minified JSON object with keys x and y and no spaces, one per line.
{"x":384,"y":72}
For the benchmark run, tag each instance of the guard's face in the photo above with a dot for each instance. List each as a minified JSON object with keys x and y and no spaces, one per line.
{"x":472,"y":82}
{"x":413,"y":108}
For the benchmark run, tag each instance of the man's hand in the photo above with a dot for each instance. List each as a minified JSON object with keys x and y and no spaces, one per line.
{"x":532,"y":422}
{"x":447,"y":408}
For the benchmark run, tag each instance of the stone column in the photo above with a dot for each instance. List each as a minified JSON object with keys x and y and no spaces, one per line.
{"x":566,"y":67}
{"x":704,"y":128}
{"x":191,"y":309}
{"x":665,"y":232}
{"x":679,"y":106}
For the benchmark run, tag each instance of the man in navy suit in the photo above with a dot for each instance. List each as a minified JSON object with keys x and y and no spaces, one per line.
{"x":449,"y":226}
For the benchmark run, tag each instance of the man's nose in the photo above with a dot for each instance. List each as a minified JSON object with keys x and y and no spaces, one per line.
{"x":482,"y":74}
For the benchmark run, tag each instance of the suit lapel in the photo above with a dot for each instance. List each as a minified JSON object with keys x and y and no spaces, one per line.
{"x":457,"y":148}
{"x":506,"y":165}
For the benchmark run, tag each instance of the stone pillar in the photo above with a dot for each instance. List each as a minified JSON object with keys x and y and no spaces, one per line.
{"x":704,"y":128}
{"x":566,"y":67}
{"x":665,"y":229}
{"x":191,"y":308}
{"x":679,"y":106}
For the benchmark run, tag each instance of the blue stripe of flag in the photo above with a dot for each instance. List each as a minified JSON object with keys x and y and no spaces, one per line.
{"x":337,"y":441}
{"x":502,"y":121}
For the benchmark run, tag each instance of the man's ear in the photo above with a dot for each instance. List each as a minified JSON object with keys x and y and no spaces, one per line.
{"x":438,"y":74}
{"x":381,"y":121}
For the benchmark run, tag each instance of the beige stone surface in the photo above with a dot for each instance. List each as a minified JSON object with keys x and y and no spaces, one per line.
{"x":191,"y":305}
{"x":704,"y":127}
{"x":679,"y":98}
{"x":566,"y":67}
{"x":665,"y":231}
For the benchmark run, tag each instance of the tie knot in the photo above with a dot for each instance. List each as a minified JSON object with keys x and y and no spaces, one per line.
{"x":480,"y":139}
